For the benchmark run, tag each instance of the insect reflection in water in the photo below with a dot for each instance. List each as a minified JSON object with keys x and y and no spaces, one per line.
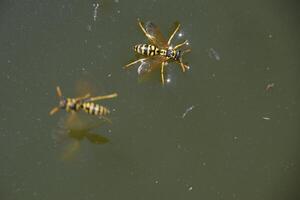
{"x":75,"y":129}
{"x":159,"y":52}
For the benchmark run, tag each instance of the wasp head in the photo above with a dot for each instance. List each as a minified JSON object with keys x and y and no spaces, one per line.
{"x":63,"y":103}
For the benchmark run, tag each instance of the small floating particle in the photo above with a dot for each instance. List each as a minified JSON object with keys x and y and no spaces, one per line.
{"x":96,"y":6}
{"x":214,"y":54}
{"x":89,"y":27}
{"x":190,"y":188}
{"x":270,"y":86}
{"x":266,"y":118}
{"x":187,"y":111}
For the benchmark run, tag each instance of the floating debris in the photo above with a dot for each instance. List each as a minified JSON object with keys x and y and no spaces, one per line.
{"x":96,"y":6}
{"x":89,"y":27}
{"x":187,"y":111}
{"x":214,"y":54}
{"x":266,"y":118}
{"x":270,"y":86}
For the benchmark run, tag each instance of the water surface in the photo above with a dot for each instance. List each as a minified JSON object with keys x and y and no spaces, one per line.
{"x":226,"y":129}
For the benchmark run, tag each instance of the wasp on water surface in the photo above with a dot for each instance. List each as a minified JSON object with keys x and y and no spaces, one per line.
{"x":84,"y":103}
{"x":160,"y":51}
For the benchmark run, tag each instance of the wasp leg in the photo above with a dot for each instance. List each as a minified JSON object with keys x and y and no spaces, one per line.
{"x":180,"y":45}
{"x":171,"y":37}
{"x":54,"y":110}
{"x":83,"y":97}
{"x":58,"y":91}
{"x":139,"y":60}
{"x":183,"y":66}
{"x":103,"y":97}
{"x":162,"y":72}
{"x":150,"y":37}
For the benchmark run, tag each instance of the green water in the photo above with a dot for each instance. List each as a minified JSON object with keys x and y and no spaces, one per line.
{"x":215,"y":132}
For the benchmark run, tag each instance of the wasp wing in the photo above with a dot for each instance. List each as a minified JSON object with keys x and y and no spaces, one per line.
{"x":156,"y":36}
{"x":150,"y":65}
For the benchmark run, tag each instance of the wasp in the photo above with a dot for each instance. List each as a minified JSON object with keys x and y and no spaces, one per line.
{"x":84,"y":103}
{"x":160,"y":51}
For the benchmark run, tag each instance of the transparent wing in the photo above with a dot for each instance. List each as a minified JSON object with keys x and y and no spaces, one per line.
{"x":150,"y":65}
{"x":84,"y":86}
{"x":156,"y":36}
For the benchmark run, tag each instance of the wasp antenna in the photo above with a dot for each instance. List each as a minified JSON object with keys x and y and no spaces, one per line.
{"x":186,"y":51}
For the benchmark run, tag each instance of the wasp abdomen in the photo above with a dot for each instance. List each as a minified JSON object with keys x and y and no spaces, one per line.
{"x":147,"y":49}
{"x":95,"y":109}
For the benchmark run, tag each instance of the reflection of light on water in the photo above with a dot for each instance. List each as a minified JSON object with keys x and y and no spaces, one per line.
{"x":168,"y":80}
{"x":180,"y":34}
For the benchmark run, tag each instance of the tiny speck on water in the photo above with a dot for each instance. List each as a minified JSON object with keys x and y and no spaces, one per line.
{"x":214,"y":54}
{"x":270,"y":86}
{"x":266,"y":118}
{"x":187,"y":111}
{"x":89,"y":27}
{"x":96,"y":6}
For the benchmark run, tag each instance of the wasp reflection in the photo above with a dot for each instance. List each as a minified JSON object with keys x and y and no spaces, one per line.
{"x":74,"y":130}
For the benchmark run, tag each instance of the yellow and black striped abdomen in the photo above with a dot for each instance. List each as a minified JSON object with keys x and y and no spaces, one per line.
{"x":94,"y":109}
{"x":147,"y":49}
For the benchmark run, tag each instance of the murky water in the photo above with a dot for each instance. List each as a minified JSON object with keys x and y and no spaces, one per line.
{"x":226,"y":129}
